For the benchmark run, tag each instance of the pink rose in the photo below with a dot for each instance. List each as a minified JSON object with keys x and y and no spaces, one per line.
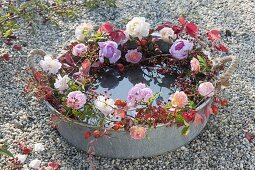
{"x":79,"y":49}
{"x":76,"y":99}
{"x":179,"y":99}
{"x":133,"y":56}
{"x":206,"y":89}
{"x":195,"y":65}
{"x":137,"y":132}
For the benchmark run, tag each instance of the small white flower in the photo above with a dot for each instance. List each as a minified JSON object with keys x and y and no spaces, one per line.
{"x":137,"y":27}
{"x":167,"y":34}
{"x":61,"y":83}
{"x":24,"y":167}
{"x":21,"y":158}
{"x":105,"y":105}
{"x":35,"y":163}
{"x":49,"y":65}
{"x":38,"y":147}
{"x":79,"y":31}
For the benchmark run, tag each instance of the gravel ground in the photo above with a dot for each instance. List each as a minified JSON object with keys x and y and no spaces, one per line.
{"x":221,"y":145}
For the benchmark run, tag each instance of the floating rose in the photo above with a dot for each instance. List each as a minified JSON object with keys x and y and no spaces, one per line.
{"x":179,"y":99}
{"x":49,"y":65}
{"x":138,"y":93}
{"x":137,"y":27}
{"x":79,"y":49}
{"x":105,"y":105}
{"x":76,"y":99}
{"x":83,"y":29}
{"x":137,"y":132}
{"x":61,"y":83}
{"x":133,"y":56}
{"x":167,"y":34}
{"x":109,"y":49}
{"x":195,"y":65}
{"x":180,"y":49}
{"x":206,"y":89}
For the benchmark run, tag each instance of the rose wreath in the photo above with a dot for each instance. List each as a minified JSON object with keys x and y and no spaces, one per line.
{"x":69,"y":80}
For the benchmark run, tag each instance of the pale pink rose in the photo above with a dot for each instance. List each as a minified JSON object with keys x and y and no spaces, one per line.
{"x":195,"y":66}
{"x":179,"y":99}
{"x":137,"y":132}
{"x":133,"y":56}
{"x":167,"y":34}
{"x":206,"y":89}
{"x":79,"y":49}
{"x":76,"y":99}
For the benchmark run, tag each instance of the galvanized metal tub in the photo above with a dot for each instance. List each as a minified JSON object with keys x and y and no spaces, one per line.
{"x":120,"y":145}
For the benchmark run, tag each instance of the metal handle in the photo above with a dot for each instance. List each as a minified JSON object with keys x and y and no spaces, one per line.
{"x":224,"y":78}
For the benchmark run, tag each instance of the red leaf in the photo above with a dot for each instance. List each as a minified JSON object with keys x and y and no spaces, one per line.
{"x":177,"y":29}
{"x":106,"y":27}
{"x":249,"y":137}
{"x":208,"y":111}
{"x":192,"y":29}
{"x":69,"y":59}
{"x":26,"y":150}
{"x":221,"y":47}
{"x":165,"y":24}
{"x":117,"y":36}
{"x":86,"y":64}
{"x":198,"y":119}
{"x":213,"y":35}
{"x":181,"y":20}
{"x":54,"y":165}
{"x":96,"y":64}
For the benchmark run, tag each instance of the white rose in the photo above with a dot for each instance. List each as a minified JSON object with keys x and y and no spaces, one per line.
{"x":35,"y":163}
{"x":79,"y":31}
{"x":105,"y":105}
{"x":61,"y":83}
{"x":167,"y":34}
{"x":49,"y":65}
{"x":137,"y":27}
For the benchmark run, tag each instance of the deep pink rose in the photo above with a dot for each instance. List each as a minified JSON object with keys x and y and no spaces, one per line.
{"x":106,"y":27}
{"x":180,"y":49}
{"x":133,"y":56}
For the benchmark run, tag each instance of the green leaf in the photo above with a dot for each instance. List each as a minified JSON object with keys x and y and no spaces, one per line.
{"x":202,"y":62}
{"x":152,"y":98}
{"x":4,"y":151}
{"x":179,"y":119}
{"x":168,"y":105}
{"x":185,"y":130}
{"x":192,"y":104}
{"x":7,"y":33}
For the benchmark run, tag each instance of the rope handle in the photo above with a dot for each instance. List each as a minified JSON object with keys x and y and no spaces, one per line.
{"x":224,"y":78}
{"x":31,"y":56}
